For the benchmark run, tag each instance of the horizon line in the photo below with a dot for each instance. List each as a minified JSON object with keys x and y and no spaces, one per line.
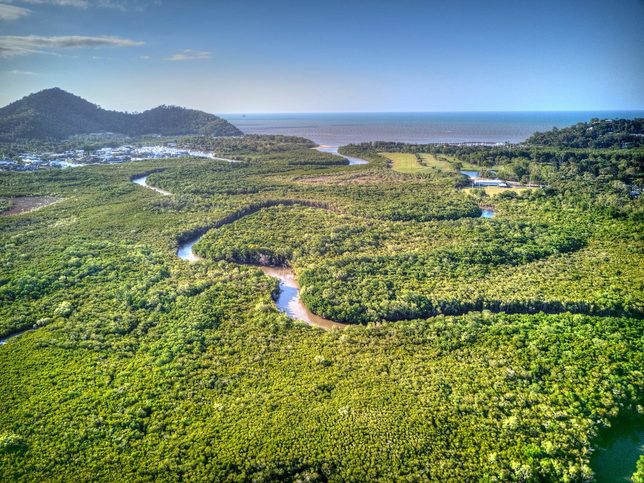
{"x":433,"y":112}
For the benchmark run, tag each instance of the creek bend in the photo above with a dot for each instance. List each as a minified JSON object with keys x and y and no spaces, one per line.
{"x":288,"y":300}
{"x":334,"y":150}
{"x":142,"y":179}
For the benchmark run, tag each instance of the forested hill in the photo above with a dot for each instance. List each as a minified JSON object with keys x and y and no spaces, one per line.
{"x":57,"y":114}
{"x":609,"y":133}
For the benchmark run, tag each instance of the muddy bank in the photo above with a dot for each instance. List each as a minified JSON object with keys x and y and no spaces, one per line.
{"x":288,"y":300}
{"x":24,"y":204}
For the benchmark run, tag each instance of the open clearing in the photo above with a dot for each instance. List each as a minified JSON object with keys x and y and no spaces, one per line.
{"x":437,"y":161}
{"x":23,"y":204}
{"x":424,"y":162}
{"x":405,"y":163}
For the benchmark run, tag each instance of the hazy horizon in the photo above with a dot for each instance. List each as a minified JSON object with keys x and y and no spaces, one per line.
{"x":242,"y":113}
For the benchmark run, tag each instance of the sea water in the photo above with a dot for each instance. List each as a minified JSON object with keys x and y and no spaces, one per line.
{"x":337,"y":129}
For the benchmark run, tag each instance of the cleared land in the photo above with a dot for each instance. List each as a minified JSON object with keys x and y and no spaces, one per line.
{"x":23,"y":204}
{"x":405,"y":163}
{"x":438,"y":162}
{"x":424,"y":162}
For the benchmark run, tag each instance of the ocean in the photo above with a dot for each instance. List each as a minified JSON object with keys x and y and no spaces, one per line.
{"x":337,"y":129}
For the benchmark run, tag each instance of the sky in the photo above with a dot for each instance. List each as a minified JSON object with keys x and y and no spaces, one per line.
{"x":248,"y":56}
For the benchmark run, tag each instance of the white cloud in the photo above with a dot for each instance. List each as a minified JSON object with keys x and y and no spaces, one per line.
{"x":13,"y":45}
{"x":22,"y":72}
{"x":189,"y":54}
{"x":11,"y":12}
{"x":65,"y":3}
{"x":118,"y":4}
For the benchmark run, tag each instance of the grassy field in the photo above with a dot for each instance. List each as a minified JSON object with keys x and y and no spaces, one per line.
{"x":405,"y":163}
{"x":410,"y":164}
{"x":438,"y":162}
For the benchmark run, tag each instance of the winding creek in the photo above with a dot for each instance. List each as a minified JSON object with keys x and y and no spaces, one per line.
{"x":288,"y":300}
{"x":334,"y":150}
{"x":141,"y":180}
{"x":617,"y":450}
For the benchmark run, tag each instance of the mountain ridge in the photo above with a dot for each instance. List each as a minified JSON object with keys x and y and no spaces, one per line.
{"x":54,"y":114}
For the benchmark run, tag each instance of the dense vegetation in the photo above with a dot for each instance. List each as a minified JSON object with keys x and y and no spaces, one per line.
{"x":5,"y":204}
{"x":608,"y":133}
{"x":56,"y":114}
{"x":145,"y":367}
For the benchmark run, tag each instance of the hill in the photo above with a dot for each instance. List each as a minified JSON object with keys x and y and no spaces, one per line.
{"x":597,"y":134}
{"x":57,"y":114}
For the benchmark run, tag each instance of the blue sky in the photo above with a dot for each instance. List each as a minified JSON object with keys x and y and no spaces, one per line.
{"x":331,"y":56}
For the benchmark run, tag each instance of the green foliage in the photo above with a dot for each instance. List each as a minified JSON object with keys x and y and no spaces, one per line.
{"x":5,"y":204}
{"x":144,"y":367}
{"x":248,"y":145}
{"x":597,"y":134}
{"x":638,"y":476}
{"x":10,"y":442}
